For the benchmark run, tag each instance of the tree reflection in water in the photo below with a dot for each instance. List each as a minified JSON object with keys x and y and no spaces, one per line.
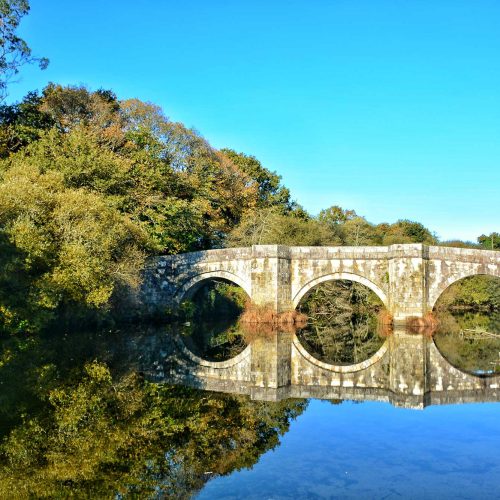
{"x":77,"y":419}
{"x":81,"y":423}
{"x":470,"y":341}
{"x":212,"y":331}
{"x":214,"y":340}
{"x":343,"y":325}
{"x":468,"y":333}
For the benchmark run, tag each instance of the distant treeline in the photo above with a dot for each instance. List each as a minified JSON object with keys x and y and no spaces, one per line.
{"x":90,"y":186}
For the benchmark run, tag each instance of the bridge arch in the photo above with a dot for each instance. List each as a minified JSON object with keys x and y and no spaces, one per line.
{"x":189,"y":287}
{"x":355,"y":367}
{"x":452,"y":370}
{"x":445,"y":284}
{"x":339,"y":276}
{"x":218,"y":365}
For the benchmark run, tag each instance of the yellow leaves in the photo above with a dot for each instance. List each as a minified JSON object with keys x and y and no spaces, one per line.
{"x":81,"y":246}
{"x":25,"y":189}
{"x":98,"y":372}
{"x":32,"y":239}
{"x":6,"y":315}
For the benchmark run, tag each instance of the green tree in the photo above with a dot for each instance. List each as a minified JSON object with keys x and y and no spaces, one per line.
{"x":213,"y":186}
{"x":336,"y":215}
{"x":270,"y":226}
{"x":490,"y":241}
{"x":358,"y":231}
{"x":65,"y":246}
{"x":406,"y":231}
{"x":22,"y":124}
{"x":478,"y":292}
{"x":14,"y":51}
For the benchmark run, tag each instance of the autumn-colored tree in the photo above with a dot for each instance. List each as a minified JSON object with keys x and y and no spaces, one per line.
{"x":270,"y":190}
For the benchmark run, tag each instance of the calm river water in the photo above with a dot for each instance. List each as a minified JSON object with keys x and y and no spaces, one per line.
{"x":81,"y":416}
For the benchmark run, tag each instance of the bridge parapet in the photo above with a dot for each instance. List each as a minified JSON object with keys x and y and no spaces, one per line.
{"x":408,"y":278}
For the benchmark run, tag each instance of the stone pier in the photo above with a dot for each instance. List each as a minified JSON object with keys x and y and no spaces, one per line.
{"x":407,"y":278}
{"x":407,"y":371}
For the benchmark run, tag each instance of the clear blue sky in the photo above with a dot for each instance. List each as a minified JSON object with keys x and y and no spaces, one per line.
{"x":391,"y":108}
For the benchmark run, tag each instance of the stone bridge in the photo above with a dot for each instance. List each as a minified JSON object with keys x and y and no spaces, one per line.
{"x":408,"y":371}
{"x":408,"y":278}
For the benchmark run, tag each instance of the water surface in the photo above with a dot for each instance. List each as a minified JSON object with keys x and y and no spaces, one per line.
{"x":81,"y":415}
{"x":374,"y":450}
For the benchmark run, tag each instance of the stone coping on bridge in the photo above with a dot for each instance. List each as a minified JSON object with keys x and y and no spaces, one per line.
{"x":463,"y":254}
{"x":332,"y":252}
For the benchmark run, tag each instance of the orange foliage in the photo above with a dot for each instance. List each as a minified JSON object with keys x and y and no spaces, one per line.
{"x":384,"y":323}
{"x":425,"y":325}
{"x":257,"y":315}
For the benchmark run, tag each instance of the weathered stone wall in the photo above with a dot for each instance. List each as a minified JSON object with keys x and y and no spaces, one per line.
{"x":447,"y":265}
{"x":314,"y":265}
{"x":408,"y":371}
{"x":407,"y":278}
{"x":407,"y":285}
{"x":169,"y":279}
{"x":271,"y":276}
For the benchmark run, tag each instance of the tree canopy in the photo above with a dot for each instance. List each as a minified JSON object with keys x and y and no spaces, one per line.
{"x":91,"y":186}
{"x":14,"y":51}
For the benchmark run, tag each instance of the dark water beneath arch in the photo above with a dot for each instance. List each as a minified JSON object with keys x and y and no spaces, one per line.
{"x":79,"y":416}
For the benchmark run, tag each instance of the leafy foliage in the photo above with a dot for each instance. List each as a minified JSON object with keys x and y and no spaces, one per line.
{"x":62,"y":245}
{"x":490,"y":241}
{"x":14,"y":51}
{"x":479,"y":292}
{"x":271,"y":226}
{"x":270,"y":191}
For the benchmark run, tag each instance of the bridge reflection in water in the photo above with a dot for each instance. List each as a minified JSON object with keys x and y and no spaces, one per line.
{"x":407,"y":371}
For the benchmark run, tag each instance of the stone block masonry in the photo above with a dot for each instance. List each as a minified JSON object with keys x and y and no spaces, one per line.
{"x":408,"y":278}
{"x":408,"y":370}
